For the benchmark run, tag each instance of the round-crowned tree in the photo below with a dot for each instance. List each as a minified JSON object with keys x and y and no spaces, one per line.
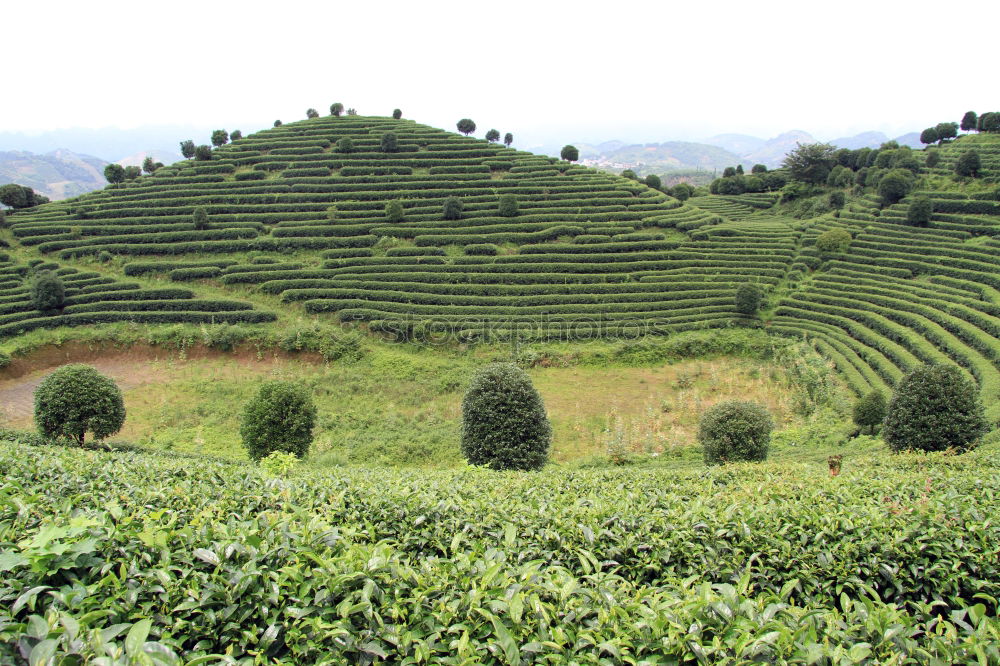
{"x":47,"y":291}
{"x":77,"y":399}
{"x":749,"y":297}
{"x":934,"y":407}
{"x":114,"y":173}
{"x":452,"y":208}
{"x":277,"y":123}
{"x":466,"y":126}
{"x":508,"y":206}
{"x":394,"y":210}
{"x":336,"y":109}
{"x":834,"y":240}
{"x":203,"y":152}
{"x":652,"y":180}
{"x":235,"y":135}
{"x":869,"y":411}
{"x":220,"y":137}
{"x":504,"y":425}
{"x":508,"y":139}
{"x":734,"y":431}
{"x":389,"y":142}
{"x":681,"y":191}
{"x":312,"y":113}
{"x":569,"y":153}
{"x":968,"y":164}
{"x":279,"y":418}
{"x":919,"y":212}
{"x":345,"y":145}
{"x":492,"y":136}
{"x":894,"y":186}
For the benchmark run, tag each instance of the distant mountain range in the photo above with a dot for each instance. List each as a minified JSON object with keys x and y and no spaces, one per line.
{"x":58,"y":174}
{"x":699,"y":162}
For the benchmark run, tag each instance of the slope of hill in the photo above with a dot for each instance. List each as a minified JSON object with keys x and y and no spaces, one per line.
{"x":584,"y":254}
{"x":59,"y":174}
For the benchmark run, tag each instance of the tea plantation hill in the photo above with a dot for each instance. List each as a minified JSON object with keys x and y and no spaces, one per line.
{"x":581,"y":247}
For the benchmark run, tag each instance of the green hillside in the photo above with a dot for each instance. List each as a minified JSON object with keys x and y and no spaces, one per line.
{"x":298,"y":222}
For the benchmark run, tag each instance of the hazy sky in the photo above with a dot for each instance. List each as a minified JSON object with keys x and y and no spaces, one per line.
{"x":546,"y":71}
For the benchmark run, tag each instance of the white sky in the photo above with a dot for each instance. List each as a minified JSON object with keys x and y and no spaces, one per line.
{"x":548,"y":71}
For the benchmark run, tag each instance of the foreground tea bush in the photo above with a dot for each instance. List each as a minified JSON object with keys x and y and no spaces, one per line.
{"x":112,"y":555}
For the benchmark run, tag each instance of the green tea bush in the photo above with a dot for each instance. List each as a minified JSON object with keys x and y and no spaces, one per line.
{"x":452,"y":209}
{"x":735,"y":431}
{"x":279,"y":418}
{"x":934,"y":408}
{"x":504,"y":425}
{"x":507,"y":206}
{"x":75,"y":400}
{"x":279,"y":463}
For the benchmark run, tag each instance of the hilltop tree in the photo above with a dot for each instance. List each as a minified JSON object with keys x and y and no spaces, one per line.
{"x":508,"y":206}
{"x":203,"y":152}
{"x":934,"y":408}
{"x":336,"y":109}
{"x":739,"y":169}
{"x":397,"y":114}
{"x":345,"y":145}
{"x":452,"y":208}
{"x":77,"y":399}
{"x":929,"y":135}
{"x":735,"y":431}
{"x":508,"y":139}
{"x":466,"y":126}
{"x":148,"y":165}
{"x":989,"y":122}
{"x":504,"y":425}
{"x":749,"y":297}
{"x":569,"y":153}
{"x":492,"y":136}
{"x":236,"y":135}
{"x":729,"y":172}
{"x":969,"y":121}
{"x":132,"y":172}
{"x":280,"y":417}
{"x":200,"y":218}
{"x":894,"y":186}
{"x":968,"y":164}
{"x":277,"y":123}
{"x":394,"y":211}
{"x":114,"y":173}
{"x":220,"y":137}
{"x":312,"y":113}
{"x":187,"y":149}
{"x":18,"y":196}
{"x":628,"y":173}
{"x":652,"y":180}
{"x":758,"y":168}
{"x":946,"y":131}
{"x":352,"y":111}
{"x":920,"y":211}
{"x":47,"y":292}
{"x":389,"y":142}
{"x":810,"y":162}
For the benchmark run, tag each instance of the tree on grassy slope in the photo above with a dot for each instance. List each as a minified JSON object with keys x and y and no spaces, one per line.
{"x":280,"y":417}
{"x":75,"y":400}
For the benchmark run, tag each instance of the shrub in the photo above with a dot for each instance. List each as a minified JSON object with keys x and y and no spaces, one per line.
{"x":482,"y":249}
{"x":277,"y":123}
{"x":279,"y":463}
{"x":652,"y":180}
{"x":749,"y":297}
{"x":834,"y":240}
{"x":934,"y":407}
{"x":279,"y":418}
{"x":200,"y":218}
{"x":894,"y":186}
{"x":920,"y":211}
{"x":76,"y":399}
{"x":869,"y":411}
{"x":933,"y":158}
{"x":336,"y":109}
{"x":394,"y":211}
{"x":397,"y":114}
{"x":47,"y":291}
{"x":507,"y":206}
{"x":345,"y":145}
{"x":734,"y":431}
{"x":968,"y":164}
{"x":203,"y":153}
{"x":504,"y":425}
{"x":312,"y":113}
{"x":452,"y":208}
{"x":389,"y":142}
{"x":569,"y":153}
